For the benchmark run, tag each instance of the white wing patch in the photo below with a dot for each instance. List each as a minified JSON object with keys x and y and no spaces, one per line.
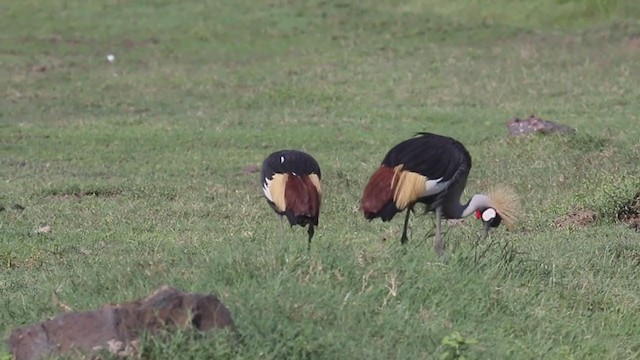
{"x":265,"y":189}
{"x":433,"y":187}
{"x":274,"y":189}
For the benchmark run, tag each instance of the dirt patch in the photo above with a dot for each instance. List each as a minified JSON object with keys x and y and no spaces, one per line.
{"x":43,"y":229}
{"x":129,"y":43}
{"x":627,"y":251}
{"x":582,"y":217}
{"x":80,"y":194}
{"x":15,"y":206}
{"x":58,"y":40}
{"x":454,"y":222}
{"x":534,"y":124}
{"x":633,"y":43}
{"x":630,"y":213}
{"x":250,"y":169}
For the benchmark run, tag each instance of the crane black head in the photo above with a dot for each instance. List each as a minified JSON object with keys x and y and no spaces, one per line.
{"x":490,"y":218}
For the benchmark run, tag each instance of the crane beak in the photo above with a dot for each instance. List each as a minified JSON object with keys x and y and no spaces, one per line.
{"x":487,"y":227}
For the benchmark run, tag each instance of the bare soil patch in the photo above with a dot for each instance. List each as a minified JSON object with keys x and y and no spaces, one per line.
{"x":630,"y":213}
{"x":581,"y":217}
{"x":534,"y":124}
{"x":105,"y":193}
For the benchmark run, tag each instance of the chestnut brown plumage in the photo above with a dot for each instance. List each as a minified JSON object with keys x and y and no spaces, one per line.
{"x":291,"y":184}
{"x":433,"y":170}
{"x":378,"y":195}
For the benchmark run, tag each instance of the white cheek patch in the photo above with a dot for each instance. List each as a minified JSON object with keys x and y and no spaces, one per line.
{"x":489,"y":214}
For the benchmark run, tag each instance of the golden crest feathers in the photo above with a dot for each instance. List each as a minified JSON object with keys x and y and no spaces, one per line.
{"x":506,"y":202}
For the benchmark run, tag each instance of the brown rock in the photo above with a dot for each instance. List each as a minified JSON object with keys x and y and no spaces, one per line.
{"x":86,"y":332}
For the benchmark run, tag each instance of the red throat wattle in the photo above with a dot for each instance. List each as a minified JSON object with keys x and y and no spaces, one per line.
{"x":478,"y":214}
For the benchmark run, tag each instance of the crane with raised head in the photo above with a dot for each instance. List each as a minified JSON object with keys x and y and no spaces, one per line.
{"x":432,"y":169}
{"x":290,"y":181}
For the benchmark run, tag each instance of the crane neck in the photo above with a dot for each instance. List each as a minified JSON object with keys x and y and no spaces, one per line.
{"x":458,"y":211}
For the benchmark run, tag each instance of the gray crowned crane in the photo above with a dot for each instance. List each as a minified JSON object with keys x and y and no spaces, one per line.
{"x":290,"y":181}
{"x":432,"y":169}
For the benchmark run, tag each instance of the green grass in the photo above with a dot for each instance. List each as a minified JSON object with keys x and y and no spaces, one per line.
{"x":137,"y":167}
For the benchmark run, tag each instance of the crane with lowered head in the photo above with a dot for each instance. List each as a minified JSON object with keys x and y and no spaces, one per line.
{"x":432,"y":169}
{"x":290,"y":182}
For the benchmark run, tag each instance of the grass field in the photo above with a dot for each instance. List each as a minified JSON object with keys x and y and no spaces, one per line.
{"x":138,"y":169}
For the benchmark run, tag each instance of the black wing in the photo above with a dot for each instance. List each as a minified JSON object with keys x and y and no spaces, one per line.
{"x":434,"y":156}
{"x":289,"y":161}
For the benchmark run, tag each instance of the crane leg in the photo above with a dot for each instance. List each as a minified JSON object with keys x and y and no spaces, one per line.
{"x":438,"y":244}
{"x":310,"y":231}
{"x":281,"y":226}
{"x":404,"y":238}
